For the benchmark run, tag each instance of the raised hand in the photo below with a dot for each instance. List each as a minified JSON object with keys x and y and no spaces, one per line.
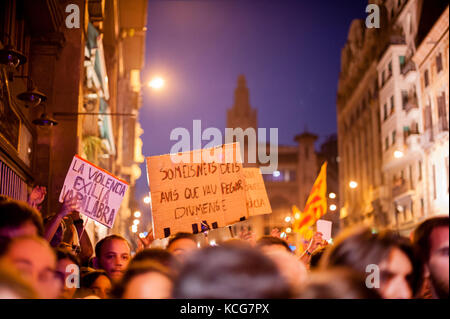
{"x":247,"y":235}
{"x":69,"y":206}
{"x":277,"y":233}
{"x":146,"y":241}
{"x":37,"y":196}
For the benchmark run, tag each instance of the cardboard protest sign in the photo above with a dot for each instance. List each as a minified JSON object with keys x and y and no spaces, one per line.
{"x":99,"y":192}
{"x":200,"y":190}
{"x":257,"y":200}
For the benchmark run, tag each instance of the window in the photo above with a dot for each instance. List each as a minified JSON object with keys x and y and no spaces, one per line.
{"x":442,"y":114}
{"x":389,"y":69}
{"x":422,"y":206}
{"x":439,"y":62}
{"x":426,"y":78}
{"x":382,"y":78}
{"x":392,"y":104}
{"x":402,"y":60}
{"x":404,"y":99}
{"x":411,"y":180}
{"x":420,"y":170}
{"x":385,"y":112}
{"x":394,"y":133}
{"x":386,"y":143}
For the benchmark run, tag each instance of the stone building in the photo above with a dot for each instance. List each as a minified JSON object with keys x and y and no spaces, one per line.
{"x":432,"y":62}
{"x":298,"y":167}
{"x":90,"y":77}
{"x":380,"y":123}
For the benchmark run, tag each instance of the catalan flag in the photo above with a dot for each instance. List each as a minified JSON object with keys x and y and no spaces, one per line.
{"x":316,"y":206}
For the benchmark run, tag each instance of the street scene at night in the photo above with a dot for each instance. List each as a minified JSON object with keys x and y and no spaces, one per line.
{"x":199,"y":150}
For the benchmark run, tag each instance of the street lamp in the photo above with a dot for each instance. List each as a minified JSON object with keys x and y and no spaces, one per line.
{"x":333,"y":207}
{"x":137,"y":214}
{"x":147,"y":199}
{"x":353,"y":184}
{"x":332,"y":195}
{"x":156,"y":83}
{"x":398,"y":154}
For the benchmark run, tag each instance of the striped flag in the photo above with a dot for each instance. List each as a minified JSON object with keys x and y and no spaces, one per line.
{"x":316,"y":206}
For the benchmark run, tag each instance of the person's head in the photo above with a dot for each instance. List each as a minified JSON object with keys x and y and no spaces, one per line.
{"x":230,"y":272}
{"x":430,"y":241}
{"x":336,"y":283}
{"x":315,"y":258}
{"x":36,"y":262}
{"x":13,"y":286}
{"x":271,"y":243}
{"x":384,"y":253}
{"x":158,"y":255}
{"x":290,"y":267}
{"x":145,"y":280}
{"x":67,"y":264}
{"x":18,"y":219}
{"x":112,"y":254}
{"x":182,"y":244}
{"x":94,"y":283}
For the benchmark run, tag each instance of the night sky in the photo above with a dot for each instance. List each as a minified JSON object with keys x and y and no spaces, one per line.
{"x":289,"y":52}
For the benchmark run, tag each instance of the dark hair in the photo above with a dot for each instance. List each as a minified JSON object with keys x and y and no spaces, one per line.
{"x":421,"y":236}
{"x":336,"y":283}
{"x":180,"y":235}
{"x":359,"y":247}
{"x":230,"y":272}
{"x":159,"y":255}
{"x":99,"y":245}
{"x":87,"y":279}
{"x":62,"y":253}
{"x":315,"y":258}
{"x":271,"y":240}
{"x":14,"y":213}
{"x":139,"y":268}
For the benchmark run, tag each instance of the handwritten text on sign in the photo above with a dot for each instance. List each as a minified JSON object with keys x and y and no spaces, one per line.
{"x":257,"y":200}
{"x":99,"y":192}
{"x":190,"y":197}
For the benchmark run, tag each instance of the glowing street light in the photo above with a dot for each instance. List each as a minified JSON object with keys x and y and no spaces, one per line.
{"x":333,"y":207}
{"x":332,"y":195}
{"x":398,"y":154}
{"x":156,"y":83}
{"x":288,"y":230}
{"x":297,"y":216}
{"x":141,"y":235}
{"x":287,"y":219}
{"x":137,"y":214}
{"x":136,"y":222}
{"x":134,"y":228}
{"x":147,"y":199}
{"x":353,"y":184}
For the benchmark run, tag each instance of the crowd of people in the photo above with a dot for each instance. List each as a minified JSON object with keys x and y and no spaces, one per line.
{"x":53,"y":257}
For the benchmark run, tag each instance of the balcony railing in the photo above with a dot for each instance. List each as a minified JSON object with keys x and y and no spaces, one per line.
{"x":400,"y":187}
{"x":407,"y":67}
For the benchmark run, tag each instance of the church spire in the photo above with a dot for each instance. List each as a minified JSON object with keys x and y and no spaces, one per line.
{"x":241,"y":96}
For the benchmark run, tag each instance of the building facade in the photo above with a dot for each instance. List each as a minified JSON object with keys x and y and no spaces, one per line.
{"x":399,"y":146}
{"x":90,"y":77}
